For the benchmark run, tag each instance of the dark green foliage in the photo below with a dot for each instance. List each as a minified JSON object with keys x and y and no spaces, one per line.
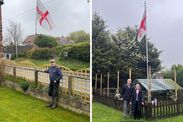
{"x":59,"y":49}
{"x":20,"y":55}
{"x":179,"y":71}
{"x":33,"y":85}
{"x":45,"y":41}
{"x":24,"y":85}
{"x":42,"y":54}
{"x":120,"y":51}
{"x":79,"y":51}
{"x":26,"y":54}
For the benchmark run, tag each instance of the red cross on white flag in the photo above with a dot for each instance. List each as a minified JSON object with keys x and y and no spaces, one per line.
{"x":43,"y":16}
{"x":142,"y":29}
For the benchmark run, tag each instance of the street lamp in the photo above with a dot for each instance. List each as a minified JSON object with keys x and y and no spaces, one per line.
{"x":1,"y":37}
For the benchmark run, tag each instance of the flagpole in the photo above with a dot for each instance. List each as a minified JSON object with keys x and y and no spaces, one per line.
{"x":35,"y":26}
{"x":147,"y":57}
{"x":36,"y":20}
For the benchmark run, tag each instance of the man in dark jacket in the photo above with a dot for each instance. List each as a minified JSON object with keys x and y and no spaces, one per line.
{"x":55,"y":76}
{"x":126,"y":93}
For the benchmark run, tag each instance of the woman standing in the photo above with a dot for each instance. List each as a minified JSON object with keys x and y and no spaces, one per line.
{"x":137,"y":101}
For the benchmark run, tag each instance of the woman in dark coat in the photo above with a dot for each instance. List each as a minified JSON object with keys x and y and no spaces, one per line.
{"x":137,"y":101}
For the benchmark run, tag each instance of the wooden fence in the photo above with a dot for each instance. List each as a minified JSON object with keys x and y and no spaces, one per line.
{"x":73,"y":83}
{"x":160,"y":109}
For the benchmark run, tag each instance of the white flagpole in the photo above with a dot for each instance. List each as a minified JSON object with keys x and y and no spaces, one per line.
{"x":36,"y":19}
{"x":147,"y":58}
{"x":35,"y":24}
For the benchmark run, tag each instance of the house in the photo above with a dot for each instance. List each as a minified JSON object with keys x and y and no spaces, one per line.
{"x":29,"y":40}
{"x":8,"y":51}
{"x":62,"y":40}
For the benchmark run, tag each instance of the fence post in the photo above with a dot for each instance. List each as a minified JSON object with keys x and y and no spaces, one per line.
{"x":107,"y":84}
{"x":148,"y":111}
{"x":14,"y":72}
{"x":95,"y":82}
{"x":36,"y":76}
{"x":130,"y":74}
{"x":70,"y":80}
{"x":14,"y":75}
{"x":175,"y":79}
{"x":117,"y":83}
{"x":101,"y":84}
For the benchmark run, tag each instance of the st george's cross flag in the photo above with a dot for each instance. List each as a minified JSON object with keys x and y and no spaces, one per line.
{"x":142,"y":29}
{"x":43,"y":16}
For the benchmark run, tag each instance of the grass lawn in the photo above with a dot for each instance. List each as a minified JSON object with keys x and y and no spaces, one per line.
{"x":17,"y":107}
{"x":173,"y":119}
{"x":71,"y":64}
{"x":103,"y":113}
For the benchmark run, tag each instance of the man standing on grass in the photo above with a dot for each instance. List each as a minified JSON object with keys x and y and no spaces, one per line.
{"x":126,"y":93}
{"x":55,"y":76}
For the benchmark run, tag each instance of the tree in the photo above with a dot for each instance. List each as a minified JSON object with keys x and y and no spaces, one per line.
{"x":79,"y":36}
{"x":44,"y":41}
{"x":154,"y":60}
{"x":120,"y":51}
{"x":101,"y":46}
{"x":14,"y":35}
{"x":168,"y":73}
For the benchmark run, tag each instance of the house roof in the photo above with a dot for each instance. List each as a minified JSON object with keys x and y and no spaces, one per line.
{"x":62,"y":40}
{"x":159,"y":84}
{"x":29,"y":39}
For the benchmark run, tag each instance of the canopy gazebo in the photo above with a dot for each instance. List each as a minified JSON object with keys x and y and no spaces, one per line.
{"x":160,"y":88}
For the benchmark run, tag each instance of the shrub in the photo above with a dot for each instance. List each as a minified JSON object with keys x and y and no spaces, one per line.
{"x":28,"y":54}
{"x":45,"y":41}
{"x":20,"y":55}
{"x":58,"y":50}
{"x":79,"y":51}
{"x":42,"y":54}
{"x":24,"y":85}
{"x":33,"y":85}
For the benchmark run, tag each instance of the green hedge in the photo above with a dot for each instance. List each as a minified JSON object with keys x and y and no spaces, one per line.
{"x":20,"y":55}
{"x":79,"y":51}
{"x":26,"y":54}
{"x":44,"y":41}
{"x":42,"y":54}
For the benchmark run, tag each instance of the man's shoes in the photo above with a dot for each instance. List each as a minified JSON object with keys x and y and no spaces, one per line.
{"x":55,"y":103}
{"x":54,"y":106}
{"x":49,"y":105}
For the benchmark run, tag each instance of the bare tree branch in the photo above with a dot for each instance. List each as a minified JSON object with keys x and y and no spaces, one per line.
{"x":14,"y":35}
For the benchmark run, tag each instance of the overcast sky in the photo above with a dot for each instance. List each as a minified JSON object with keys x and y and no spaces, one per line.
{"x":68,"y":15}
{"x":164,"y":23}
